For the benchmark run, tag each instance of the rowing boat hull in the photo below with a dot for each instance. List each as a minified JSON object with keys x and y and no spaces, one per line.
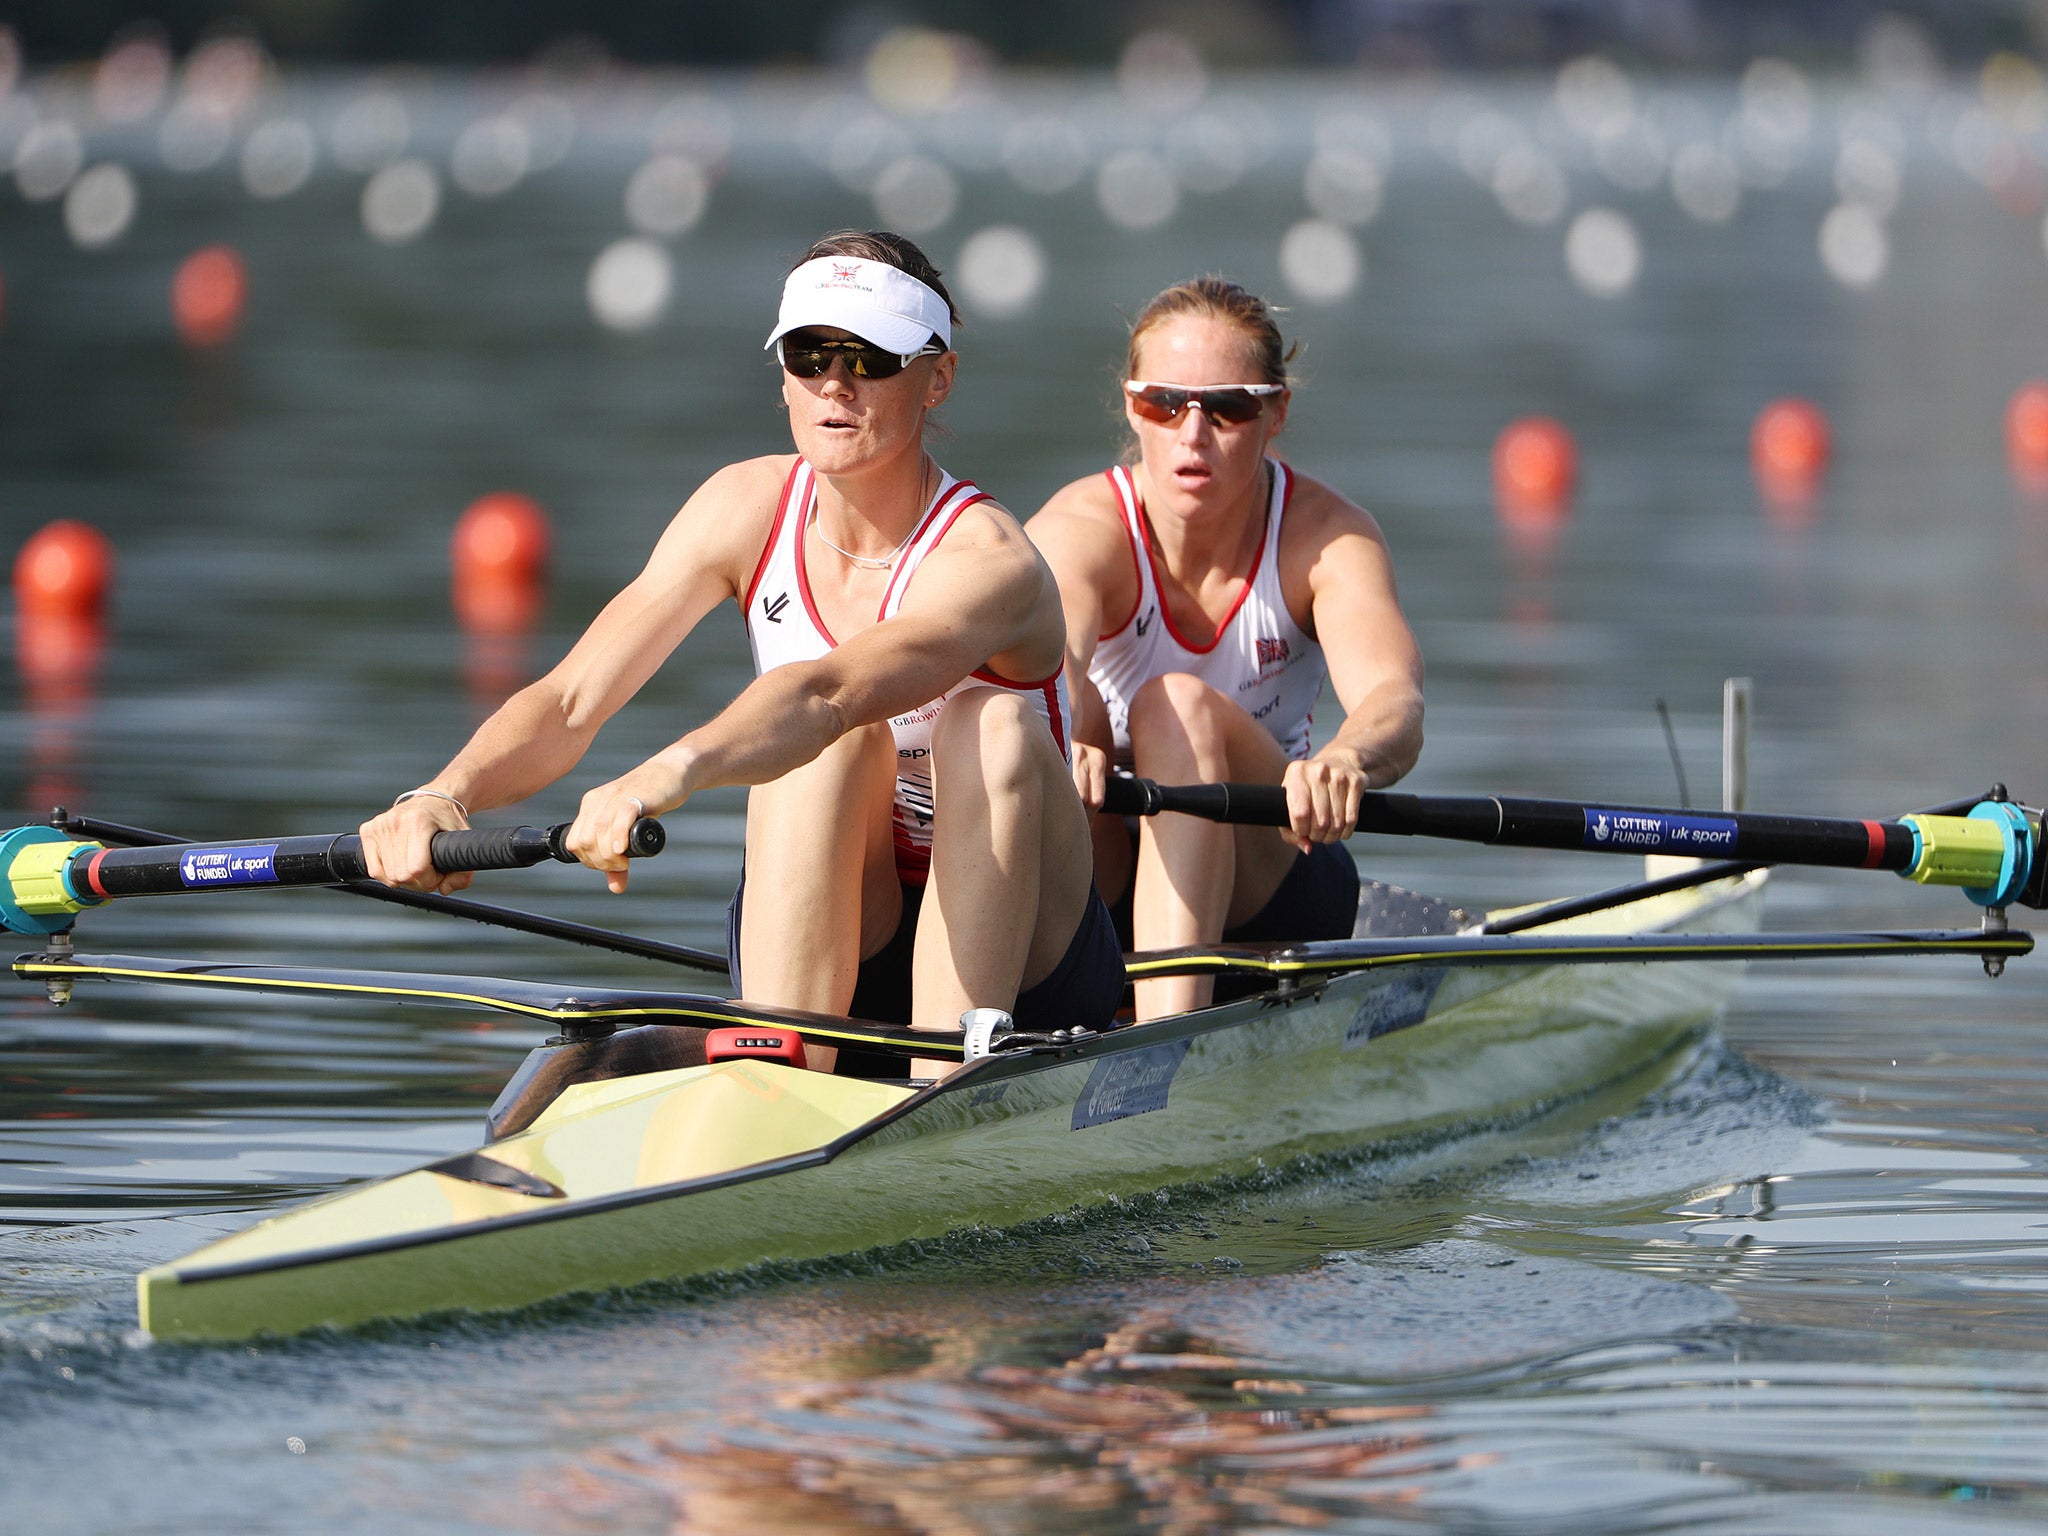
{"x":709,"y":1169}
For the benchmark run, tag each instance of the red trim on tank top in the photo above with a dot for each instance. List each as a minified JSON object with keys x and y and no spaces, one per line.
{"x":905,"y":572}
{"x":803,"y":575}
{"x":1012,"y":683}
{"x":1124,"y":519}
{"x":1053,"y":716}
{"x":1166,"y":614}
{"x":774,"y":533}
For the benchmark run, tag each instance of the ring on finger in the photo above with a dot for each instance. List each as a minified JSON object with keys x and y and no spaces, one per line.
{"x":639,"y":805}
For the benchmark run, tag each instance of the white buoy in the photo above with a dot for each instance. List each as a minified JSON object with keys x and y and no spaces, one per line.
{"x":915,"y":194}
{"x":666,"y":196}
{"x":101,"y":205}
{"x":629,"y":284}
{"x":1320,"y":261}
{"x":1705,"y":182}
{"x":1344,"y":186}
{"x":400,"y":202}
{"x":1001,"y":270}
{"x":48,"y":159}
{"x":1136,"y":190}
{"x":1853,"y":246}
{"x":278,"y":158}
{"x":193,"y":136}
{"x":490,"y":157}
{"x":1530,"y":186}
{"x":1161,"y":72}
{"x":1603,"y":252}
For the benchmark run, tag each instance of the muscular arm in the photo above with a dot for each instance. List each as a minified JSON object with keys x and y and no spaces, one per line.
{"x":1375,"y":667}
{"x":1086,"y":549}
{"x":985,"y":596}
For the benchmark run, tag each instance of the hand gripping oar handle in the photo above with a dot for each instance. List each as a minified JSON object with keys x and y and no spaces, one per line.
{"x":1994,"y":852}
{"x":46,"y":878}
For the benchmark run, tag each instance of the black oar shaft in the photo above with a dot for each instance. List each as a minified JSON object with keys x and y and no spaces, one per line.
{"x":1565,"y":824}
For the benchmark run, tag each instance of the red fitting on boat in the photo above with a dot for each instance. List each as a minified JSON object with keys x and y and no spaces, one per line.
{"x":92,"y":875}
{"x":755,"y":1042}
{"x":1874,"y":830}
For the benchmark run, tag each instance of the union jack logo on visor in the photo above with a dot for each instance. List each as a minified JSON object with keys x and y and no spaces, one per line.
{"x":845,"y":272}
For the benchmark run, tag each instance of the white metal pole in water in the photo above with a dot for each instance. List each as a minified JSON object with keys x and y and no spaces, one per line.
{"x":1735,"y":692}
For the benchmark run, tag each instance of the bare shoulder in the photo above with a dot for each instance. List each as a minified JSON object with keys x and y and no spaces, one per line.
{"x":1318,"y":515}
{"x":1089,"y":499}
{"x":1332,"y":555}
{"x":987,"y":529}
{"x":750,"y":484}
{"x":1080,"y":530}
{"x":726,"y":519}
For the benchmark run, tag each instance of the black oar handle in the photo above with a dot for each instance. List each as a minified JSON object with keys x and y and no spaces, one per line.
{"x":521,"y":847}
{"x":1252,"y":805}
{"x":326,"y":859}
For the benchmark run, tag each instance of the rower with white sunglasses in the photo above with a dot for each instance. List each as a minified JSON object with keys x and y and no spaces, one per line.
{"x":915,"y":847}
{"x":1209,"y":590}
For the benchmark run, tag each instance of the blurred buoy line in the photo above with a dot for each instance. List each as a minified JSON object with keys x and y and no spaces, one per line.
{"x":933,"y":137}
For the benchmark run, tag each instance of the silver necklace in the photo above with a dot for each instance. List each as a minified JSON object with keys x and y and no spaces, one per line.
{"x":869,"y":562}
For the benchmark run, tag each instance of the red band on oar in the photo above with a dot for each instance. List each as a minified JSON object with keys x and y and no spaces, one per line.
{"x":1874,"y":859}
{"x":92,"y":874}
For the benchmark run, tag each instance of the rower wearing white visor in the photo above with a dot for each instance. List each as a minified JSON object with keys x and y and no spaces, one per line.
{"x":1210,"y":588}
{"x":915,"y":845}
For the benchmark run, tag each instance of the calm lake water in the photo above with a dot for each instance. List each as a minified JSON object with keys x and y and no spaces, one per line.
{"x":1797,"y":1281}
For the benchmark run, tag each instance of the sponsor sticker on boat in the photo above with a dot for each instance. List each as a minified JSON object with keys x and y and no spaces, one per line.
{"x":1402,"y":1001}
{"x":1659,"y":832}
{"x":250,"y":864}
{"x":1131,"y":1083}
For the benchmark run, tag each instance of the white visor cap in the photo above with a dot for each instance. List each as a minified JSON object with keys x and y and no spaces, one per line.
{"x":875,"y":301}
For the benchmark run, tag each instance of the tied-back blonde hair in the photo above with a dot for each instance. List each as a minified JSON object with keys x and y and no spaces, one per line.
{"x":1219,"y":298}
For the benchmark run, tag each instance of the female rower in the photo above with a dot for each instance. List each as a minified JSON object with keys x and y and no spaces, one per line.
{"x":915,"y":847}
{"x":1208,"y":589}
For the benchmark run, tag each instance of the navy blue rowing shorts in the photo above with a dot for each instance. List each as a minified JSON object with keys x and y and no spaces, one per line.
{"x":1316,"y":899}
{"x":1083,"y":990}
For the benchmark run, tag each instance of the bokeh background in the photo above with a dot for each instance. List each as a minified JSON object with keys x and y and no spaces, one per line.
{"x":1668,"y":341}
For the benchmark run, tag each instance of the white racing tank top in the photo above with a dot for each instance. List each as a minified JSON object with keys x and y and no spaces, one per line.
{"x":783,"y":625}
{"x":1260,"y":659}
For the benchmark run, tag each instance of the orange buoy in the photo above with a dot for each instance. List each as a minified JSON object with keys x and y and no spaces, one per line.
{"x":1789,"y":448}
{"x":208,"y":295}
{"x":2026,"y":430}
{"x":64,"y":569}
{"x":503,"y":535}
{"x":1535,"y":467}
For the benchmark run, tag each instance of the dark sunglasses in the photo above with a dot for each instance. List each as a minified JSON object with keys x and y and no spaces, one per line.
{"x":810,"y":357}
{"x":1232,"y":403}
